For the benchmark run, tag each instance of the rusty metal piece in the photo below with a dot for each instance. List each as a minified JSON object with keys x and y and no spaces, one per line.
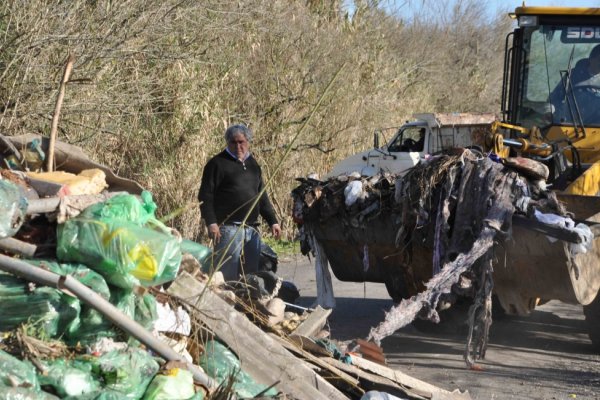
{"x":371,"y":351}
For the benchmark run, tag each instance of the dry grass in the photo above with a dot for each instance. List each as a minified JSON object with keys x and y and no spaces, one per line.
{"x":155,"y":83}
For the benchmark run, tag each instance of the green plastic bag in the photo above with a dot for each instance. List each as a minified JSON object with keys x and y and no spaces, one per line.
{"x":49,"y":310}
{"x":69,"y":378}
{"x":126,"y":372}
{"x":24,"y":394}
{"x":220,"y":363}
{"x":123,"y":241}
{"x":141,"y":308}
{"x":124,"y":253}
{"x":125,"y":207}
{"x":176,"y":383}
{"x":82,"y":273}
{"x":91,"y":325}
{"x":13,"y":206}
{"x":199,"y":252}
{"x":16,"y":372}
{"x":97,"y":395}
{"x":145,"y":310}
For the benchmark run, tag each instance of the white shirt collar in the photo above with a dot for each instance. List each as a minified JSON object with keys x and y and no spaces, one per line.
{"x":235,"y":157}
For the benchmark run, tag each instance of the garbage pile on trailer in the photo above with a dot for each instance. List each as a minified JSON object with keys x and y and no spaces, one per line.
{"x":451,"y":207}
{"x":101,"y":300}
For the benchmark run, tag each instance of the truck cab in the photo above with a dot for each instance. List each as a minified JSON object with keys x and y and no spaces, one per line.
{"x":426,"y":135}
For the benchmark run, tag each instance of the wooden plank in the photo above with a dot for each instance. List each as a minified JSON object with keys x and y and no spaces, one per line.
{"x":305,"y":343}
{"x":338,"y":378}
{"x":261,"y":356}
{"x":370,"y":381}
{"x":408,"y":381}
{"x":313,"y":323}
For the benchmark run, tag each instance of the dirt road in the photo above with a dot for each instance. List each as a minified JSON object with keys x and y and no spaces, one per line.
{"x":545,"y":356}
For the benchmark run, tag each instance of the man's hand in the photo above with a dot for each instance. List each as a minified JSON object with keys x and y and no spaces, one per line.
{"x":214,"y":233}
{"x":276,"y":231}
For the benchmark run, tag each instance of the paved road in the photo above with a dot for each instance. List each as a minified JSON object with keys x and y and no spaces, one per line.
{"x":545,"y":356}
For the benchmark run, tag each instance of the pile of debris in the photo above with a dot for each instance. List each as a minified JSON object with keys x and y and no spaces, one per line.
{"x":101,"y":300}
{"x":436,"y":224}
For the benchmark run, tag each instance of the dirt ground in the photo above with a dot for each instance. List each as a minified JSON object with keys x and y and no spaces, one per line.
{"x":544,"y":356}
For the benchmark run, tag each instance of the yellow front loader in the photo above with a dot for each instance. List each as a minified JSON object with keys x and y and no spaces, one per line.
{"x":551,"y":113}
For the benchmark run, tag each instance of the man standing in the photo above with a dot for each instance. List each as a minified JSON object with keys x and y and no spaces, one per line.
{"x":231,"y":182}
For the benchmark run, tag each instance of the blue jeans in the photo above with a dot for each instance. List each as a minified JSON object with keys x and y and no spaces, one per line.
{"x":241,"y":249}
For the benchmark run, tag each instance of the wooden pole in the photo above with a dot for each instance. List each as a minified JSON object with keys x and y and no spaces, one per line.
{"x":57,"y":107}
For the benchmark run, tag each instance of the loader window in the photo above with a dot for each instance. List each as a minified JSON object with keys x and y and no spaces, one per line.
{"x":554,"y":63}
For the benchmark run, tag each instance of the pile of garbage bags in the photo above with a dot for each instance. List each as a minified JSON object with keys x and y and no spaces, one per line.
{"x":112,"y":243}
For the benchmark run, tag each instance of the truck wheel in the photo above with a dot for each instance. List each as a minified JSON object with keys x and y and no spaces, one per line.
{"x":592,"y":320}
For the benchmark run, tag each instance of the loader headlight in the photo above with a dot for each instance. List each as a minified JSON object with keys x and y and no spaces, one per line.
{"x":528,"y":20}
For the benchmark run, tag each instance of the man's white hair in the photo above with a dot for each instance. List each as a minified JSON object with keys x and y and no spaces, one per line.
{"x":236,"y":130}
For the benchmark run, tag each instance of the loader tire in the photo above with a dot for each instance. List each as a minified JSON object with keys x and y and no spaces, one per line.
{"x":453,"y":321}
{"x":592,"y":321}
{"x":396,"y":288}
{"x":498,"y":312}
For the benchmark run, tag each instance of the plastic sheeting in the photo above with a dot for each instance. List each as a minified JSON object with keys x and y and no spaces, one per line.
{"x":325,"y":296}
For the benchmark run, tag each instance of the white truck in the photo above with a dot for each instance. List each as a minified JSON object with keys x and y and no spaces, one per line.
{"x":428,"y":134}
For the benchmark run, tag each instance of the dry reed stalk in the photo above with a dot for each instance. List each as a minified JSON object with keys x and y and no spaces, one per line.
{"x":56,"y":115}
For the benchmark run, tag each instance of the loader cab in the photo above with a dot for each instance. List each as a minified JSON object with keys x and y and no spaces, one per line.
{"x":552,"y":75}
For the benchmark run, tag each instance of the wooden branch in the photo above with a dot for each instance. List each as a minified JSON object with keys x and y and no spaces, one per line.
{"x":314,"y":146}
{"x":57,"y":107}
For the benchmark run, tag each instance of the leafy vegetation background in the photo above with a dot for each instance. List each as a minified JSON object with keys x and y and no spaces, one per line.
{"x":156,"y":82}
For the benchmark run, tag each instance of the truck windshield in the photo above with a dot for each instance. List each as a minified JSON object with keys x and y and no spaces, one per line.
{"x":410,"y":138}
{"x":557,"y":76}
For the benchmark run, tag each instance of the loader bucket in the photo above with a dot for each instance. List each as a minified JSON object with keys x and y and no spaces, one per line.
{"x":367,"y":252}
{"x":531,"y":266}
{"x":528,"y":266}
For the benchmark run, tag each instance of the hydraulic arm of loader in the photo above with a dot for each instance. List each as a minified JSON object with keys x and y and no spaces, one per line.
{"x":496,"y":142}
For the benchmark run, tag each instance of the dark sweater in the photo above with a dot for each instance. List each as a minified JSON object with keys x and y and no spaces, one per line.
{"x":228,"y":189}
